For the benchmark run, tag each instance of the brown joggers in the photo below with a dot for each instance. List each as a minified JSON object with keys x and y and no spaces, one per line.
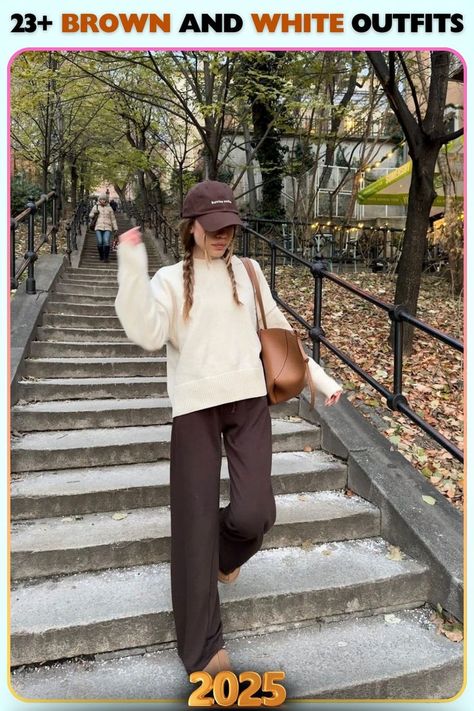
{"x":204,"y":538}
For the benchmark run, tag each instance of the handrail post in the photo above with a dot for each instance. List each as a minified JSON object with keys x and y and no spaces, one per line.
{"x":13,"y":279}
{"x":44,"y":217}
{"x":54,"y":228}
{"x":74,"y":234}
{"x":245,"y":241}
{"x":317,"y":269}
{"x":31,"y":254}
{"x":273,"y":267}
{"x":68,"y":241}
{"x":396,"y":317}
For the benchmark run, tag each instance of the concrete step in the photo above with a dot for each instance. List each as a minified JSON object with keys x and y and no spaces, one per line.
{"x":94,"y":367}
{"x":57,"y":546}
{"x":90,"y":414}
{"x":92,"y":279}
{"x":87,"y":613}
{"x":91,"y":259}
{"x":98,"y":321}
{"x":132,"y":486}
{"x":88,"y":283}
{"x":89,"y":388}
{"x":79,"y":349}
{"x":48,"y":333}
{"x":86,"y":414}
{"x":90,"y":273}
{"x":99,"y":270}
{"x":358,"y":658}
{"x":89,"y":309}
{"x":66,"y":287}
{"x":58,"y":295}
{"x":127,"y":445}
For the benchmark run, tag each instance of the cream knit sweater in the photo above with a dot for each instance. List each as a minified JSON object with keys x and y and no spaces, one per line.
{"x":213,"y":357}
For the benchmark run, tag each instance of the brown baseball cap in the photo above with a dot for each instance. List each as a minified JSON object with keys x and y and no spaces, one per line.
{"x":213,"y":204}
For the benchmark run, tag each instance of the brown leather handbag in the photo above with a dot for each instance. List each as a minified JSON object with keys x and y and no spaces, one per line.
{"x":285,"y":362}
{"x":93,"y":221}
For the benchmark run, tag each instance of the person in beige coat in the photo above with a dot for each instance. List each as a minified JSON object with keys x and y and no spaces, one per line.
{"x":104,"y":226}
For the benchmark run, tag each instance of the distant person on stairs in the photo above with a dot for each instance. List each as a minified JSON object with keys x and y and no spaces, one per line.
{"x":105,"y":225}
{"x":203,"y":309}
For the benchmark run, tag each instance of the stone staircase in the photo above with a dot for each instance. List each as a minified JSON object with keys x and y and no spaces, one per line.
{"x":327,"y":599}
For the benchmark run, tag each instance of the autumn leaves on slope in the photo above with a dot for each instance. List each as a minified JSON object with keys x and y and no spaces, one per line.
{"x":432,"y":375}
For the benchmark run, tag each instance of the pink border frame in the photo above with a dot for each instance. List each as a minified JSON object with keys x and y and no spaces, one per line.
{"x":8,"y":339}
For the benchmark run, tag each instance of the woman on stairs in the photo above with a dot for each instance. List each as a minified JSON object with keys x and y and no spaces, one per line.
{"x":203,"y":309}
{"x":104,"y":226}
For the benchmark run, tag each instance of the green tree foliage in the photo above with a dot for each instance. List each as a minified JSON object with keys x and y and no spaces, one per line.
{"x":424,"y":126}
{"x":22,"y":188}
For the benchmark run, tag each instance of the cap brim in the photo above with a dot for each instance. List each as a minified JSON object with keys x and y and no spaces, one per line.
{"x":215,"y":221}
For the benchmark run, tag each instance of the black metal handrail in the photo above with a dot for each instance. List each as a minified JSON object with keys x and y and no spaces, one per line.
{"x":165,"y":231}
{"x":31,"y":255}
{"x":397,"y":314}
{"x":157,"y":222}
{"x":73,"y":226}
{"x":377,"y":247}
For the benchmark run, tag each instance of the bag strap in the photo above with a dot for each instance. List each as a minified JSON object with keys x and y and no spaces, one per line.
{"x":258,"y":298}
{"x":256,"y":288}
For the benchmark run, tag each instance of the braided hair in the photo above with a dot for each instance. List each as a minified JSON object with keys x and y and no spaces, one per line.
{"x":187,"y":240}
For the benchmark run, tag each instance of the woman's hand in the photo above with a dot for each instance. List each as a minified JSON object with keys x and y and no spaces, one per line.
{"x":132,"y":236}
{"x":334,"y":398}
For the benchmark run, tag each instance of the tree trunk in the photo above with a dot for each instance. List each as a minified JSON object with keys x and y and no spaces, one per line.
{"x":210,"y":154}
{"x":144,"y":194}
{"x":120,"y":192}
{"x":74,"y":181}
{"x":252,"y":194}
{"x":420,"y":199}
{"x":453,"y":228}
{"x":270,"y":158}
{"x":58,"y":187}
{"x":425,"y":135}
{"x":44,"y":176}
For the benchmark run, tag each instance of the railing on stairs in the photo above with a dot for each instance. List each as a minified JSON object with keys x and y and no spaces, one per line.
{"x":47,"y":208}
{"x":164,"y":230}
{"x":49,"y":229}
{"x":73,"y":226}
{"x":396,"y":313}
{"x":158,"y":223}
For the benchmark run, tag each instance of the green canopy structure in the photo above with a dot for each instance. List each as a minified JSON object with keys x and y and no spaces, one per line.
{"x":392,"y":188}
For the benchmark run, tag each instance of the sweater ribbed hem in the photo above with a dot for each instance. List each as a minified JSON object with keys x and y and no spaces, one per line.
{"x":217,"y":390}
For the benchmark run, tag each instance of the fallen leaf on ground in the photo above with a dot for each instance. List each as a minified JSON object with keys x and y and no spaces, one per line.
{"x":429,"y":500}
{"x":453,"y":635}
{"x":434,"y":393}
{"x":394,"y":553}
{"x":392,"y":619}
{"x":447,"y":626}
{"x":119,"y":516}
